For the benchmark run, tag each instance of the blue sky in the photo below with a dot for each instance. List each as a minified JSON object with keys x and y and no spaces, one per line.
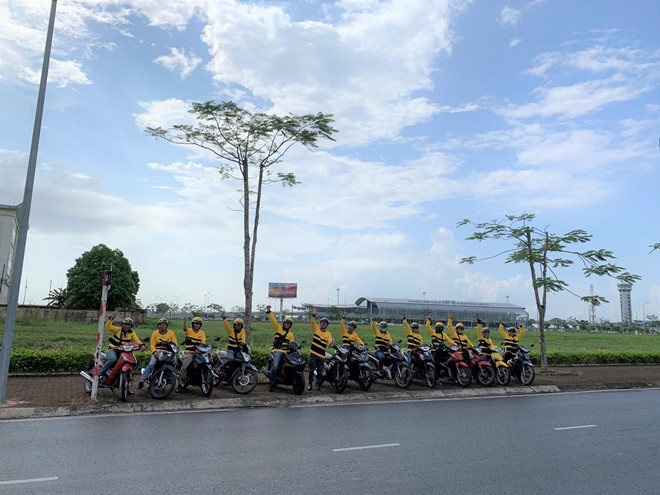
{"x":446,"y":110}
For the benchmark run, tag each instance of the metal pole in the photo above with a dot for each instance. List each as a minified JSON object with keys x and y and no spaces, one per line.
{"x":107,"y":280}
{"x":24,"y":216}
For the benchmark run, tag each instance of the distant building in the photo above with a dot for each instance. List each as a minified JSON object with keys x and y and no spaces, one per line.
{"x":8,"y":233}
{"x":626,"y":306}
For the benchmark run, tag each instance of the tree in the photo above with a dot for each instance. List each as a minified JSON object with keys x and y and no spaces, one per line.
{"x":555,"y":322}
{"x":85,"y":280}
{"x":56,"y":298}
{"x":544,"y":253}
{"x":249,"y":145}
{"x":216,"y":307}
{"x":655,"y":246}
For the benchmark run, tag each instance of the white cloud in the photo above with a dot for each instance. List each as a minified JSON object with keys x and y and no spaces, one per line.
{"x":163,"y":113}
{"x":179,"y":61}
{"x":509,"y":16}
{"x":514,"y":42}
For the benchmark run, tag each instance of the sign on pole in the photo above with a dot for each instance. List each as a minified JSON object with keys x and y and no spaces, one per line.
{"x":107,"y":279}
{"x":281,"y":290}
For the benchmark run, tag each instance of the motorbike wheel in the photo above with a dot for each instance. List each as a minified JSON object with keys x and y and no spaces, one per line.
{"x":340,"y":381}
{"x":298,"y":383}
{"x":503,"y":375}
{"x":244,"y":383}
{"x":486,"y":376}
{"x":365,"y":380}
{"x":159,"y":388}
{"x":123,"y":385}
{"x":215,"y":364}
{"x":431,"y":377}
{"x":527,"y":375}
{"x":206,"y":379}
{"x":403,"y":377}
{"x":463,"y":376}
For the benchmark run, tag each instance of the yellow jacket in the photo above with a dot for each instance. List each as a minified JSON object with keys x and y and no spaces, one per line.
{"x":484,"y":343}
{"x":511,"y":343}
{"x":120,"y":337}
{"x":383,"y":339}
{"x":193,"y":338}
{"x":234,"y":338}
{"x":349,"y":338}
{"x":438,"y":337}
{"x":279,"y":332}
{"x":321,"y":340}
{"x":156,"y":337}
{"x":462,"y":340}
{"x":414,"y":338}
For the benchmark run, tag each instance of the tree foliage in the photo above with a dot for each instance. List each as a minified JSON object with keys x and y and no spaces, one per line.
{"x":56,"y":298}
{"x":85,"y":280}
{"x":248,"y":145}
{"x":545,"y":253}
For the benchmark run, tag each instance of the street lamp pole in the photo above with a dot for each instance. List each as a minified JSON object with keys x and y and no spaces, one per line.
{"x":337,"y":297}
{"x":643,"y":317}
{"x":507,"y":299}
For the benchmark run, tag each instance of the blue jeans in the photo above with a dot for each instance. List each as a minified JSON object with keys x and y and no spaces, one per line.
{"x":318,"y":364}
{"x":148,"y":369}
{"x":277,"y":362}
{"x":381,"y":359}
{"x":111,"y":359}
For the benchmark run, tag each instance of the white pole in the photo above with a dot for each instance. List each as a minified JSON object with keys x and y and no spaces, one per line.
{"x":107,"y":280}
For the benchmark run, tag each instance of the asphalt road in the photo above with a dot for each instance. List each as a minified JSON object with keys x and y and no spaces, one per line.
{"x":580,"y":443}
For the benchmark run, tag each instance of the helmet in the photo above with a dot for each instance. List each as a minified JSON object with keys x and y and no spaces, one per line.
{"x":511,"y":329}
{"x":485,"y":331}
{"x":324,"y":319}
{"x":197,"y":319}
{"x":439,"y":326}
{"x":163,"y":320}
{"x":352,"y":323}
{"x":287,"y":319}
{"x":127,"y":321}
{"x":238,"y":321}
{"x":414,"y":324}
{"x":459,"y":328}
{"x":383,"y":326}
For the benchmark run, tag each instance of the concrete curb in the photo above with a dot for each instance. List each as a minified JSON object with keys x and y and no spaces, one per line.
{"x":270,"y":401}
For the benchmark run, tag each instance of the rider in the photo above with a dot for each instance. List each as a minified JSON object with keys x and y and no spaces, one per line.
{"x":382,"y":342}
{"x":414,"y":337}
{"x":158,"y":337}
{"x":485,"y":342}
{"x":236,"y":334}
{"x":121,"y":335}
{"x":322,"y":339}
{"x":283,"y":337}
{"x":459,"y":334}
{"x":511,"y":341}
{"x":193,"y":336}
{"x":438,"y":337}
{"x":349,"y":337}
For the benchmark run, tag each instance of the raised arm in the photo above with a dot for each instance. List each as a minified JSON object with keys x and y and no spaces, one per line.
{"x":373,"y":326}
{"x":406,"y":326}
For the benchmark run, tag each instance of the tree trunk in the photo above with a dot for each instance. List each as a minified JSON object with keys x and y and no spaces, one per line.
{"x":544,"y":355}
{"x":247,"y":269}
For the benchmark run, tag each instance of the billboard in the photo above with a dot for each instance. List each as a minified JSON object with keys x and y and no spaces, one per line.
{"x":279,"y":289}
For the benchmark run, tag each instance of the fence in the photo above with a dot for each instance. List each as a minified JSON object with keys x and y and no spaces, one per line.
{"x":73,"y":315}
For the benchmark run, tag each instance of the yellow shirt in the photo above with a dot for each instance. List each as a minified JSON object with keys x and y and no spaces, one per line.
{"x":156,"y":337}
{"x":414,"y":338}
{"x":462,"y":340}
{"x":280,"y":332}
{"x":349,"y":338}
{"x":437,"y":338}
{"x":322,"y":340}
{"x":511,"y":343}
{"x":193,"y":338}
{"x":383,"y":339}
{"x":234,"y":338}
{"x":120,"y":337}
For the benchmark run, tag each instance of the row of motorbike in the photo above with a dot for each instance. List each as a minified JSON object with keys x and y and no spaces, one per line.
{"x":204,"y":371}
{"x":424,"y":362}
{"x":354,"y":362}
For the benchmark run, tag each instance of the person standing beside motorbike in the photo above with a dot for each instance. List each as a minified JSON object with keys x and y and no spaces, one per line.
{"x":283,"y":336}
{"x":349,"y":336}
{"x":163,"y":334}
{"x":382,"y":342}
{"x":193,"y":336}
{"x":511,"y":341}
{"x":236,"y":334}
{"x":120,"y":336}
{"x":459,"y":334}
{"x":322,"y":339}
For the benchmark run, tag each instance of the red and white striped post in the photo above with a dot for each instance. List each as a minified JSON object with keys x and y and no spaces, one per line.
{"x":107,"y":279}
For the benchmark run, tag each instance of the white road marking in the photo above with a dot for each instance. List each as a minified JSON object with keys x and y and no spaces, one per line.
{"x":33,"y":480}
{"x":368,"y":447}
{"x":574,"y":427}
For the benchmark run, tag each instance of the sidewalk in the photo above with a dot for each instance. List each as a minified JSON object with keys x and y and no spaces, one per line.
{"x":58,"y":395}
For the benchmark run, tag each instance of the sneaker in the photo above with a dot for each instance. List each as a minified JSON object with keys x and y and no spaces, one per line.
{"x":140,"y":385}
{"x":130,"y":392}
{"x":309,"y":387}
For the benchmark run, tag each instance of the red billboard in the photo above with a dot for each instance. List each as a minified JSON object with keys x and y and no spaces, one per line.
{"x":280,"y":290}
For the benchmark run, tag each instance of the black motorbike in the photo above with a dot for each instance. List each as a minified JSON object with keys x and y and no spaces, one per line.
{"x":162,"y":379}
{"x":291,"y":370}
{"x":423,"y":364}
{"x":359,"y":366}
{"x":521,"y":366}
{"x":239,"y":372}
{"x":200,"y":372}
{"x":395,"y":367}
{"x":336,"y":369}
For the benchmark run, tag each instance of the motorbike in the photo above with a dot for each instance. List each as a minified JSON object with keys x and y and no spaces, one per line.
{"x":292,"y":369}
{"x":239,"y":372}
{"x":481,"y":369}
{"x":423,"y":364}
{"x":450,"y":364}
{"x":200,"y":372}
{"x":502,"y":371}
{"x":120,"y":376}
{"x":336,"y":369}
{"x":521,"y":366}
{"x":395,"y":366}
{"x":163,"y":377}
{"x":359,"y":367}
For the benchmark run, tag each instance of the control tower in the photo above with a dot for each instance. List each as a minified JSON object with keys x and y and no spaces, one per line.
{"x":624,"y":297}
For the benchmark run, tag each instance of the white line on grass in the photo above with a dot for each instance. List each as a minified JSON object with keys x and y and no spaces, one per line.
{"x":368,"y":447}
{"x":574,"y":427}
{"x":33,"y":480}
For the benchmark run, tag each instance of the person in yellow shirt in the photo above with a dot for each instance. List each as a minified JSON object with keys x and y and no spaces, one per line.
{"x":193,"y":336}
{"x":283,"y":336}
{"x":382,"y":342}
{"x":322,"y":339}
{"x":120,"y":336}
{"x":415,"y":338}
{"x":438,"y":335}
{"x":236,"y":334}
{"x":348,"y":335}
{"x":459,"y":334}
{"x":158,"y":337}
{"x":511,"y":340}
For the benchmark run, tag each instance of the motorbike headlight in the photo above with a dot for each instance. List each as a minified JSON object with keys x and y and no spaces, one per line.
{"x":246,"y":357}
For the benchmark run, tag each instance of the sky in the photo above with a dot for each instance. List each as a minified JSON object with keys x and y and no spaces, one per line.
{"x":445,"y":110}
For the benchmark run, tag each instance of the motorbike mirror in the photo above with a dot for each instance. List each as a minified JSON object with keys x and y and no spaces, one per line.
{"x":146,"y":339}
{"x":532,"y":345}
{"x":399,"y":341}
{"x":216,"y":339}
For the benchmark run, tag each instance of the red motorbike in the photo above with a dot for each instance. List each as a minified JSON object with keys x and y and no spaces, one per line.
{"x":449,"y":363}
{"x":121,"y":375}
{"x":481,"y":369}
